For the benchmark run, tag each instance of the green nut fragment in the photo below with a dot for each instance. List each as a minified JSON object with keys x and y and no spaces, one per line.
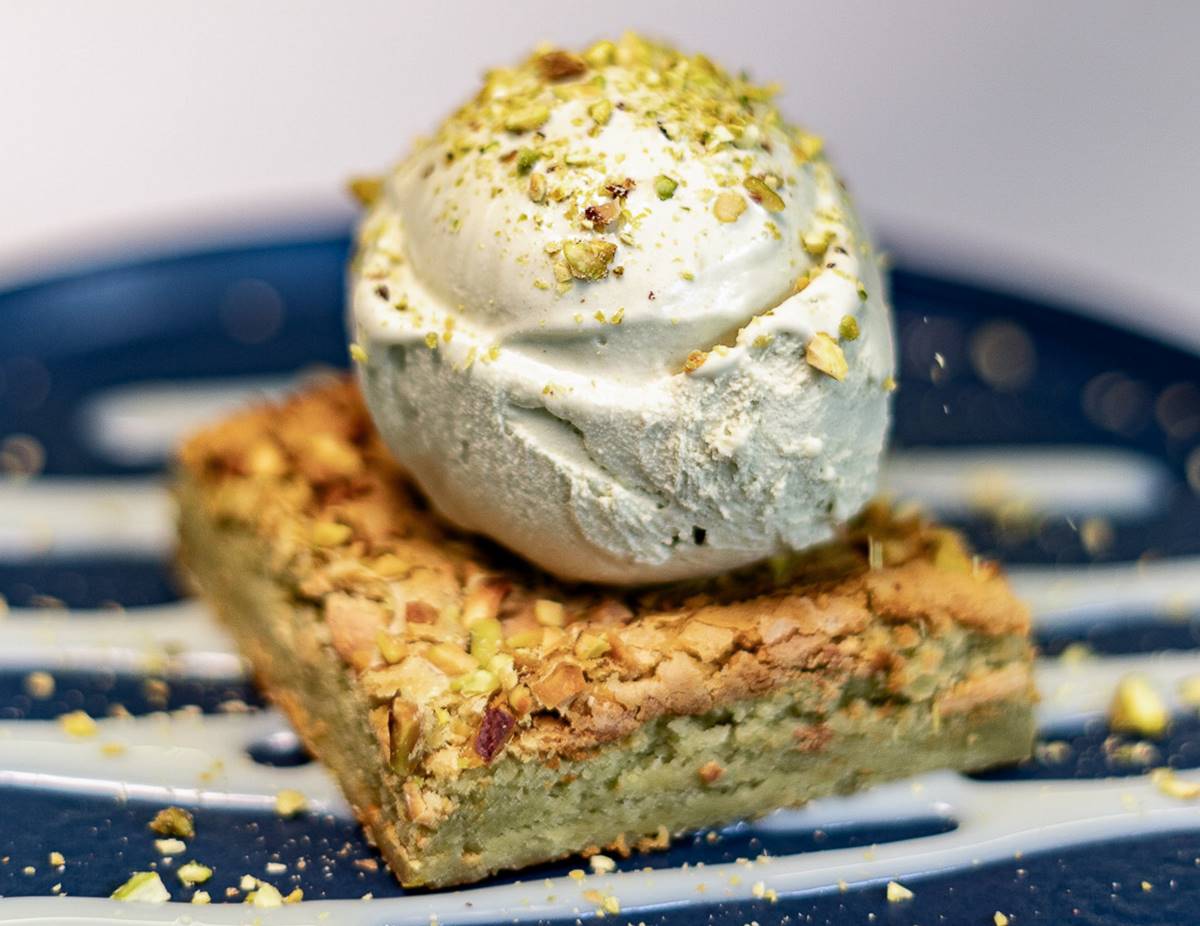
{"x":848,"y":328}
{"x":265,"y":895}
{"x":601,"y":54}
{"x":664,"y":186}
{"x":365,"y":189}
{"x":729,"y":206}
{"x":174,"y":821}
{"x":762,"y":194}
{"x":601,"y":111}
{"x":560,"y":65}
{"x":404,"y":725}
{"x":193,"y":873}
{"x":527,"y":118}
{"x":526,"y":158}
{"x":823,"y":353}
{"x":486,"y":635}
{"x":142,"y":887}
{"x":588,"y":260}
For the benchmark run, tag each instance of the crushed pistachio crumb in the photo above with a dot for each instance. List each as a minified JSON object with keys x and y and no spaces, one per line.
{"x":824,"y":354}
{"x":169,"y":846}
{"x":193,"y":873}
{"x":601,"y":111}
{"x":848,"y":328}
{"x":264,"y":895}
{"x":897,"y":892}
{"x":526,"y":158}
{"x":527,"y":118}
{"x":357,"y":352}
{"x":665,"y":187}
{"x":729,"y":206}
{"x":289,"y":803}
{"x":588,"y":260}
{"x":174,"y":821}
{"x":57,"y":860}
{"x":1169,"y":784}
{"x":762,"y":194}
{"x":77,"y":724}
{"x":142,"y":887}
{"x":1137,"y":708}
{"x":330,"y":533}
{"x":201,"y":897}
{"x":366,"y":190}
{"x":999,"y":919}
{"x":39,"y":685}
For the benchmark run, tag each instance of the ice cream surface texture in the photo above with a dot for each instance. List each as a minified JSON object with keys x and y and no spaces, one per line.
{"x":620,"y":317}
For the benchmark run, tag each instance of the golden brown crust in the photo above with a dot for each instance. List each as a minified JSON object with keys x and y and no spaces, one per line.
{"x":467,"y":653}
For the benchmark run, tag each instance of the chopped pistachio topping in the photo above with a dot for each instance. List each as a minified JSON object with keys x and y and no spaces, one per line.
{"x":39,"y":685}
{"x":816,"y":242}
{"x":527,"y":118}
{"x":193,"y":873}
{"x":560,"y":65}
{"x":601,"y":111}
{"x":549,"y":613}
{"x":1166,"y":781}
{"x":601,"y":54}
{"x":366,"y":189}
{"x":174,"y":821}
{"x":806,"y":146}
{"x":143,"y":887}
{"x":704,"y":113}
{"x":848,"y":328}
{"x":695,"y":360}
{"x":729,"y":206}
{"x":763,"y":194}
{"x":78,"y":724}
{"x":265,"y":895}
{"x":330,"y":534}
{"x":289,"y":803}
{"x":824,"y":354}
{"x":526,"y":158}
{"x":665,"y":187}
{"x":1138,"y":708}
{"x":358,"y":353}
{"x":588,"y":260}
{"x":897,"y":892}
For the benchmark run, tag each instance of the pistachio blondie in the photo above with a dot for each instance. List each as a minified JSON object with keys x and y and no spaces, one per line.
{"x":481,"y":715}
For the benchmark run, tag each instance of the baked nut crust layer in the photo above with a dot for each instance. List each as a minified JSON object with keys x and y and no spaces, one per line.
{"x":481,"y":715}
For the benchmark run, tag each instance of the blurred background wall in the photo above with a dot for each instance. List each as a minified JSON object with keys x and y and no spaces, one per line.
{"x":1051,"y":148}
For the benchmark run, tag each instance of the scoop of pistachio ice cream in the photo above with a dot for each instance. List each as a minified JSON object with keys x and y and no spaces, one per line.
{"x":619,"y":316}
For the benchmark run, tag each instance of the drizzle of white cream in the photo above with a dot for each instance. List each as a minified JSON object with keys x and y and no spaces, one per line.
{"x":1072,"y":481}
{"x":179,"y":639}
{"x":55,"y":516}
{"x":1083,"y":595}
{"x":139,"y":423}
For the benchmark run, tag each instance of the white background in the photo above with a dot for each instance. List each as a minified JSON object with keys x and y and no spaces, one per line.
{"x":1053,"y":147}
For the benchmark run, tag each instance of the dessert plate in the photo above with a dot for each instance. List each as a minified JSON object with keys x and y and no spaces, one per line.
{"x":1067,"y":448}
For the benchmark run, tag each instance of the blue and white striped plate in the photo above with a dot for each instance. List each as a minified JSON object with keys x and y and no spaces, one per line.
{"x":1069,"y":449}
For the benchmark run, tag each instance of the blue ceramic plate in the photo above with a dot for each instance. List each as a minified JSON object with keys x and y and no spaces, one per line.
{"x":1066,"y":448}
